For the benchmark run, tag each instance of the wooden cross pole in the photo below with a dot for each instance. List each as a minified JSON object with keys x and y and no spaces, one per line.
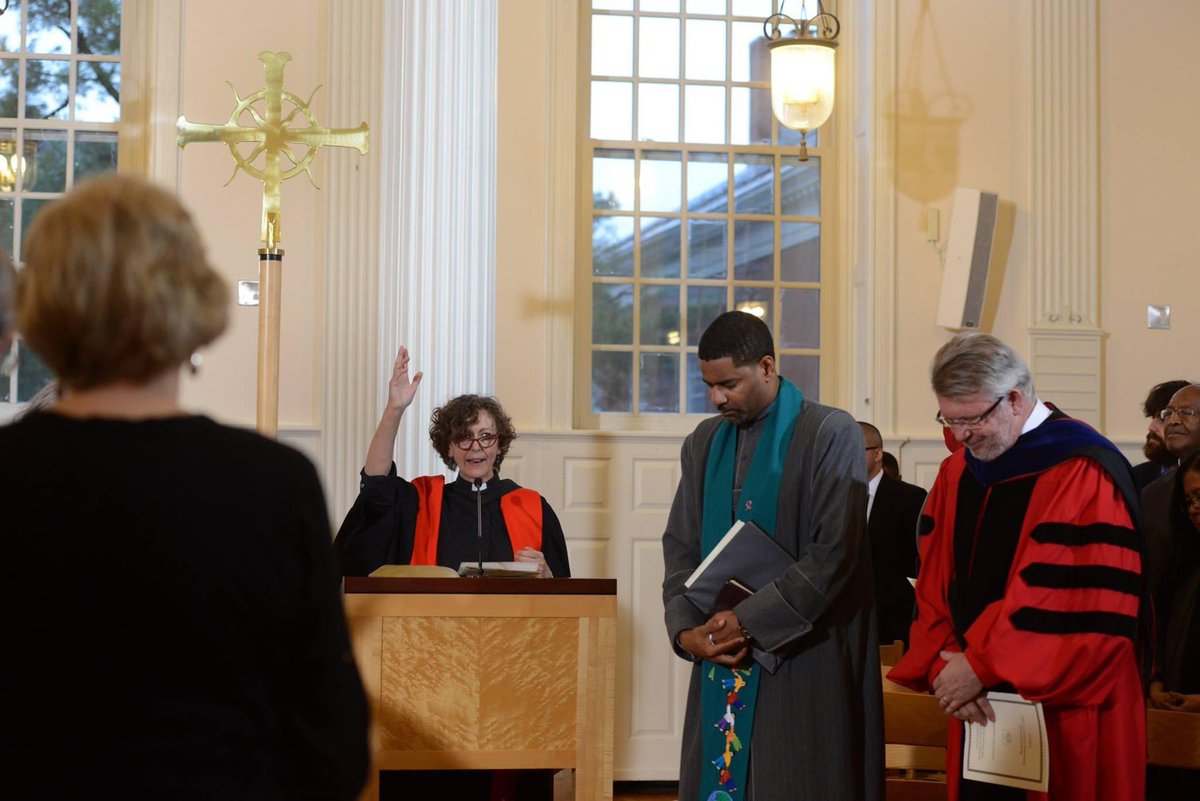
{"x":271,"y":136}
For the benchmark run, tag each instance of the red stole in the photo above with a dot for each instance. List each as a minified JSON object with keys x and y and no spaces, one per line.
{"x":521,"y":509}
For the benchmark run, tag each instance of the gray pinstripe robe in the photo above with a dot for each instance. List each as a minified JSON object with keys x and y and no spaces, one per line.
{"x":818,"y":726}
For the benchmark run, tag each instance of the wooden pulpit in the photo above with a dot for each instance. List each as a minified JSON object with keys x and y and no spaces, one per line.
{"x":492,"y":673}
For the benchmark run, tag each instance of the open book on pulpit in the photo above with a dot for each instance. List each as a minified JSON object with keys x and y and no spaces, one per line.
{"x":500,"y":569}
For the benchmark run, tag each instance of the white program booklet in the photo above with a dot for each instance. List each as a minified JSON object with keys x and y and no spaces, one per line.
{"x":500,"y":569}
{"x":1013,"y":750}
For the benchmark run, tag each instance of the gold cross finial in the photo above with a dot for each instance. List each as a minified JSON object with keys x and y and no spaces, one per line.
{"x":272,"y":135}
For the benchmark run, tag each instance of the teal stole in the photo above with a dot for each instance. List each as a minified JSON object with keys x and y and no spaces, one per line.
{"x":727,"y":696}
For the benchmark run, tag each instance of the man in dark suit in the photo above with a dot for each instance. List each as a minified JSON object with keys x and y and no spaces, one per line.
{"x":1159,"y":460}
{"x":893,"y":509}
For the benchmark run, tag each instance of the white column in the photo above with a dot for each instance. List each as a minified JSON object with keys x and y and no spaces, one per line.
{"x":1065,"y":337}
{"x":437,"y":151}
{"x":410,"y":243}
{"x":352,"y":187}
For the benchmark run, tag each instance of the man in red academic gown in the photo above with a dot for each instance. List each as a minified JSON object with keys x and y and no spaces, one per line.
{"x":1031,"y":579}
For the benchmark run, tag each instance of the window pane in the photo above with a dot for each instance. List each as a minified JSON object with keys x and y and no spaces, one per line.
{"x":6,"y":226}
{"x":753,"y":250}
{"x":99,"y":27}
{"x":708,"y":182}
{"x":613,"y":5}
{"x":800,"y":318}
{"x":98,"y":92}
{"x":49,"y":26}
{"x":47,"y":150}
{"x":612,"y":246}
{"x":800,"y":251}
{"x":658,"y":386}
{"x":9,"y":72}
{"x":751,"y":60}
{"x":706,"y":6}
{"x":612,"y":314}
{"x":755,"y":300}
{"x":95,"y":153}
{"x":705,"y":304}
{"x":32,"y":375}
{"x":791,"y":138}
{"x":750,"y":116}
{"x":704,"y":114}
{"x":658,"y":112}
{"x":29,"y":211}
{"x":706,"y":248}
{"x":612,"y":45}
{"x":46,"y":89}
{"x":612,"y":382}
{"x":660,"y":247}
{"x":659,"y":315}
{"x":661,"y":181}
{"x":10,"y":29}
{"x":658,"y":47}
{"x":754,"y":184}
{"x":612,"y":180}
{"x":612,"y":110}
{"x":804,"y":371}
{"x":753,"y":8}
{"x":705,"y":50}
{"x":800,"y":185}
{"x":669,"y":6}
{"x":697,"y":393}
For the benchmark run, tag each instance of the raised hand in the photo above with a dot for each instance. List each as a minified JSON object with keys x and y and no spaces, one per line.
{"x":401,"y":388}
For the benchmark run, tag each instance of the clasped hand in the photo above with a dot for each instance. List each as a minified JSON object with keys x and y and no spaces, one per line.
{"x":719,"y":641}
{"x":960,"y":692}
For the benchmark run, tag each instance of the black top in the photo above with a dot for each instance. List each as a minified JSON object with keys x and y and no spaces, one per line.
{"x":171,"y":609}
{"x":892,"y":531}
{"x":380,"y":529}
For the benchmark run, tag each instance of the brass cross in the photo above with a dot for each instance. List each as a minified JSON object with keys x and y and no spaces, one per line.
{"x":272,"y":134}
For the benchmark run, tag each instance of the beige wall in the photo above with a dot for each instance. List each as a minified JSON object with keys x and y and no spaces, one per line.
{"x":220,"y":43}
{"x":960,"y":123}
{"x":1150,"y":180}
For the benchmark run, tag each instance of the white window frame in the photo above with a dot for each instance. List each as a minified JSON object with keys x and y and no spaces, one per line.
{"x":831,"y":285}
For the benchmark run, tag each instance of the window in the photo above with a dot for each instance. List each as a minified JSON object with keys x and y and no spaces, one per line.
{"x":698,"y":203}
{"x":60,"y":105}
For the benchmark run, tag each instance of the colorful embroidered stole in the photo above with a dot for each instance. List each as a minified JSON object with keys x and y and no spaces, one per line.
{"x":727,"y":696}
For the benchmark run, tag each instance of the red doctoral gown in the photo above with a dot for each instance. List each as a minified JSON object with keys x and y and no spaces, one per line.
{"x":1034,"y":569}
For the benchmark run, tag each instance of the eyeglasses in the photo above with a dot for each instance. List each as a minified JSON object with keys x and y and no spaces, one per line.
{"x":969,"y":422}
{"x":1186,"y":414}
{"x":1191,"y":504}
{"x":485,"y":441}
{"x":873,"y":447}
{"x":10,"y":362}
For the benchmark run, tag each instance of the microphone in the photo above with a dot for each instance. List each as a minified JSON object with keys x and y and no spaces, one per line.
{"x":478,"y":489}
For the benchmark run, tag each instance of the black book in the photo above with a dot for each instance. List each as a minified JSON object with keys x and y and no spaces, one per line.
{"x":744,"y":561}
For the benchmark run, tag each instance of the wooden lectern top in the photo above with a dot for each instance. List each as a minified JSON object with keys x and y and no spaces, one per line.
{"x":480,"y":586}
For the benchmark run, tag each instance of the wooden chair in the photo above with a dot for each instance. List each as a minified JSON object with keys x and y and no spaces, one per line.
{"x":1173,"y":738}
{"x":914,"y":736}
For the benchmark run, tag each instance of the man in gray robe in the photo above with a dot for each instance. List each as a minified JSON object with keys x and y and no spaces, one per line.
{"x":817,"y":729}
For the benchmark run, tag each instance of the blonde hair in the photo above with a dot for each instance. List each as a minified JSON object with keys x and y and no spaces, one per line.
{"x":116,"y":285}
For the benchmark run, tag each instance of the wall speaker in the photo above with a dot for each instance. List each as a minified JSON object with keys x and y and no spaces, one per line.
{"x":968,"y":257}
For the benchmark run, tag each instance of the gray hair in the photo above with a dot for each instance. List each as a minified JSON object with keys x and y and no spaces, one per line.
{"x":8,"y":279}
{"x":976,"y":362}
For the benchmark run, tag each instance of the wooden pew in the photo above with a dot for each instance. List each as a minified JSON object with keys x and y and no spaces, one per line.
{"x":890,"y":654}
{"x":914,"y":735}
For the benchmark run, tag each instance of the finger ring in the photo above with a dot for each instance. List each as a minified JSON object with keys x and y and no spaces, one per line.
{"x":711,"y":641}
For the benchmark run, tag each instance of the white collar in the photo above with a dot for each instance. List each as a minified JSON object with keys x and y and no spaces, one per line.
{"x":873,"y":484}
{"x":1038,"y":416}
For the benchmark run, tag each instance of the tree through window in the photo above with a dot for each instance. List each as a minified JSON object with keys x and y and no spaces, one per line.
{"x":60,"y":107}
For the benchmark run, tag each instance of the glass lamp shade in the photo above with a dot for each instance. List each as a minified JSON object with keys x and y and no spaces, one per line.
{"x":802,"y":73}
